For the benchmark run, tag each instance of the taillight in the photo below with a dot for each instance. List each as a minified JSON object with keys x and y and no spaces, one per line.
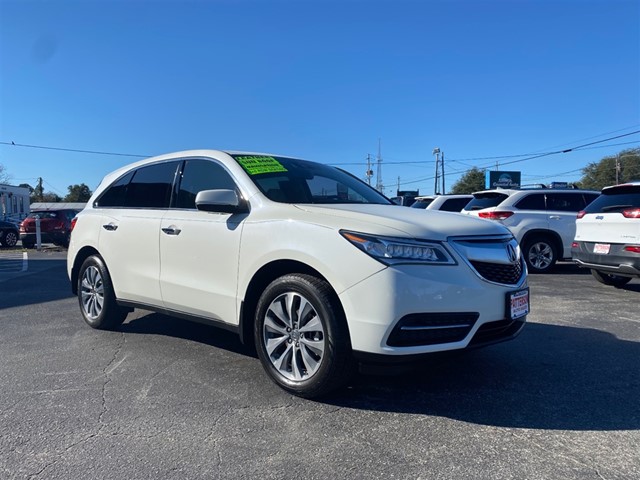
{"x":73,"y":223}
{"x":632,"y":248}
{"x":575,"y":245}
{"x":631,"y":213}
{"x":495,"y":215}
{"x":581,"y":214}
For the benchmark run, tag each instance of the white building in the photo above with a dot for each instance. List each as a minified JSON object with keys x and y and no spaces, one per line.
{"x":14,"y":202}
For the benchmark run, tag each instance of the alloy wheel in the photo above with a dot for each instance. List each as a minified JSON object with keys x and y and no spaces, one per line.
{"x":293,"y":336}
{"x":92,"y":292}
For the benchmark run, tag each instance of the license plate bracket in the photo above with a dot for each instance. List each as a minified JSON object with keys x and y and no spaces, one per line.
{"x":518,"y":304}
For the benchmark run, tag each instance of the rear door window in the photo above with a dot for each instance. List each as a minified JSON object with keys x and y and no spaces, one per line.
{"x":146,"y":187}
{"x":565,"y":202}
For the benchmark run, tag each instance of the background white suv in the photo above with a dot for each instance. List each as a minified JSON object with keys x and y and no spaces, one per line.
{"x":542,"y":220}
{"x":304,"y":261}
{"x":608,"y":235}
{"x":446,"y":203}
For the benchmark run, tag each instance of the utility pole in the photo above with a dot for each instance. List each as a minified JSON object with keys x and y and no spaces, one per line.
{"x":398,"y":189}
{"x":379,"y":185}
{"x":369,"y":173}
{"x":618,"y":169}
{"x":436,"y":152}
{"x":443,"y":192}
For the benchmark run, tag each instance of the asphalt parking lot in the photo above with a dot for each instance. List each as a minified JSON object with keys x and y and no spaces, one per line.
{"x":165,"y":398}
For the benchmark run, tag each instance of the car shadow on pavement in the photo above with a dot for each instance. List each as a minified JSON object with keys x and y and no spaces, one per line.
{"x":148,"y":323}
{"x":550,"y":377}
{"x":43,"y":280}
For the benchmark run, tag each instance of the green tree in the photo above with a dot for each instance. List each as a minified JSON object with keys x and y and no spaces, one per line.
{"x":597,"y":175}
{"x":471,"y":181}
{"x":78,"y":193}
{"x":50,"y":197}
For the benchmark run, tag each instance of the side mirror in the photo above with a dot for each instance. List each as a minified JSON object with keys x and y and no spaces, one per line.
{"x":223,"y":201}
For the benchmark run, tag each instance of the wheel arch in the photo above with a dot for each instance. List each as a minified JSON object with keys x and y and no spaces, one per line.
{"x":81,"y":256}
{"x":540,"y":232}
{"x":260,"y":280}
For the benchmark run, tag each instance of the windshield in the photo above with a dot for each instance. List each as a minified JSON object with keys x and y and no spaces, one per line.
{"x":615,"y":199}
{"x":42,"y":215}
{"x":287,"y":180}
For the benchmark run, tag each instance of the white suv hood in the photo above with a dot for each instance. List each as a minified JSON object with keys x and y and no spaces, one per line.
{"x":403,"y":221}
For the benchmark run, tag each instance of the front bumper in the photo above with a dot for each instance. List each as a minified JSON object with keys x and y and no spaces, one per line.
{"x":473,"y":311}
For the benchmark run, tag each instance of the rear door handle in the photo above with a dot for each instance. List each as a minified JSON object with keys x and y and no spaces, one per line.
{"x":171,"y":230}
{"x":110,"y":227}
{"x":554,"y":217}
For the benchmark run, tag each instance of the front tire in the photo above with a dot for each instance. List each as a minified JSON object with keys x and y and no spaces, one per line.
{"x":96,"y":296}
{"x":541,"y":254}
{"x":301,"y":336}
{"x":610,"y":279}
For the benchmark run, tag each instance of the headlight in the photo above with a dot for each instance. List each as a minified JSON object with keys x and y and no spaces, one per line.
{"x":392,"y":251}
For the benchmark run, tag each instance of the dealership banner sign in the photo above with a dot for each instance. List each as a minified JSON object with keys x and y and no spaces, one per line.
{"x":501,"y":179}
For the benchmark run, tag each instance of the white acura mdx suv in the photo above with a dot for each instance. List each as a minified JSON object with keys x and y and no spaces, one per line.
{"x":305,"y":262}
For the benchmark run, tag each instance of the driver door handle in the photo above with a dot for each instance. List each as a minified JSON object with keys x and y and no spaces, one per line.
{"x":110,"y":227}
{"x":171,"y":230}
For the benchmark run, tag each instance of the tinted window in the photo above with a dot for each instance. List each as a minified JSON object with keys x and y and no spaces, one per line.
{"x":534,"y":201}
{"x":485,"y":200}
{"x":150,"y":186}
{"x":565,"y":202}
{"x":454,"y":204}
{"x":115,"y":195}
{"x":199,"y":175}
{"x":422,"y":203}
{"x":615,"y":200}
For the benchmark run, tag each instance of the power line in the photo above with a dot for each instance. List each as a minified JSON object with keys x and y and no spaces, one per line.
{"x":546,"y":154}
{"x":75,"y":150}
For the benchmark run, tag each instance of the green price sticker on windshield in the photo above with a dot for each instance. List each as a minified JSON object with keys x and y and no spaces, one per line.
{"x":256,"y":165}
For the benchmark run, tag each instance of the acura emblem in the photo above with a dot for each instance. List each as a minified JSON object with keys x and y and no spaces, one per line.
{"x":511,"y":253}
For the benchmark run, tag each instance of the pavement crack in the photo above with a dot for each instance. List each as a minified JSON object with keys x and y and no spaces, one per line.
{"x":106,"y":372}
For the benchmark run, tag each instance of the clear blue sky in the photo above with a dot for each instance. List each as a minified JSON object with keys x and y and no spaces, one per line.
{"x":322,"y":80}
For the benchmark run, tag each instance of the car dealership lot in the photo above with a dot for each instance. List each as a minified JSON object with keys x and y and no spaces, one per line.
{"x":165,"y":398}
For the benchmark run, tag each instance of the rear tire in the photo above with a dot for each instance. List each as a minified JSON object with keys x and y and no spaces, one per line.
{"x":96,"y":296}
{"x":301,"y":336}
{"x":27,"y":244}
{"x":610,"y":279}
{"x":540,"y":253}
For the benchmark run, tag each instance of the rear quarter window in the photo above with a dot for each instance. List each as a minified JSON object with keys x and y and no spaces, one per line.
{"x":534,"y":201}
{"x":486,"y":200}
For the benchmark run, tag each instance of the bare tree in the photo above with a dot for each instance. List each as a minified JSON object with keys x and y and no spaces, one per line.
{"x":4,"y":176}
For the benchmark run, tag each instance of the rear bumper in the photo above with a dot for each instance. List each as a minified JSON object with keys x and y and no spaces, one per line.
{"x":618,"y":261}
{"x":59,"y":238}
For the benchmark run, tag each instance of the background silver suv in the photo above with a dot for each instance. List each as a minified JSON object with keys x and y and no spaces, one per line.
{"x":542,"y":220}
